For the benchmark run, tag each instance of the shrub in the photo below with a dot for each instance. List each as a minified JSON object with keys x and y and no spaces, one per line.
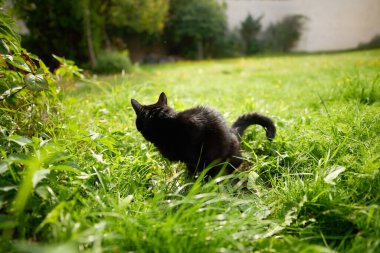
{"x":373,"y":43}
{"x":29,"y":115}
{"x":26,"y":90}
{"x":283,"y":35}
{"x":112,"y":62}
{"x":229,"y":45}
{"x":249,"y":31}
{"x":26,"y":85}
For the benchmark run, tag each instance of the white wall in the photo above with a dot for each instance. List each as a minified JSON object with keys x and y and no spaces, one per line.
{"x":332,"y":24}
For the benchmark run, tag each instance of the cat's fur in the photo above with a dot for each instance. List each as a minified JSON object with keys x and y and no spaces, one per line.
{"x":198,"y":136}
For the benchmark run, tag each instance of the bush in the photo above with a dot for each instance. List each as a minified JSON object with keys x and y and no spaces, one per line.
{"x":27,"y":107}
{"x":229,"y":45}
{"x":30,"y":118}
{"x":112,"y":62}
{"x":283,"y":35}
{"x":249,"y":31}
{"x":26,"y":86}
{"x":372,"y":44}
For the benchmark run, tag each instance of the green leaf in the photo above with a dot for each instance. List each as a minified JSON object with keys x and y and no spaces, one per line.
{"x":3,"y":63}
{"x":59,"y":59}
{"x":17,"y":62}
{"x":3,"y":167}
{"x":43,"y":69}
{"x":36,"y":82}
{"x":65,"y":168}
{"x":7,"y":221}
{"x":8,"y":188}
{"x":28,"y":59}
{"x":4,"y":47}
{"x":53,"y":215}
{"x":39,"y":175}
{"x":22,"y":141}
{"x":10,"y":92}
{"x":333,"y":173}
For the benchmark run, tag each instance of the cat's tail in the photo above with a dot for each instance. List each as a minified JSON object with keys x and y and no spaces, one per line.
{"x":255,"y":119}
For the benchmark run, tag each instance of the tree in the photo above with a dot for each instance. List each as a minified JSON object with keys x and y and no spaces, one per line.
{"x":249,"y":31}
{"x":139,"y":15}
{"x":88,"y":32}
{"x":76,"y":29}
{"x":55,"y":27}
{"x":195,"y":24}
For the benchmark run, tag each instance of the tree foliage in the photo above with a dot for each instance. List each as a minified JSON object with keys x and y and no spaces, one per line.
{"x":84,"y":30}
{"x":77,"y":30}
{"x":196,"y":24}
{"x":141,"y":16}
{"x":55,"y":27}
{"x":249,"y":31}
{"x":282,"y":36}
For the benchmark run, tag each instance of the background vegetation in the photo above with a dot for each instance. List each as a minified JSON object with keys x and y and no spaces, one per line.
{"x":76,"y":176}
{"x":185,"y":29}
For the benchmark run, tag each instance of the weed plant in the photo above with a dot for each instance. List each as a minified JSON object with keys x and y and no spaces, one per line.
{"x":97,"y":186}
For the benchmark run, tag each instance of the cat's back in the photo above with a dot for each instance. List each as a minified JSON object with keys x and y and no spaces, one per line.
{"x":201,"y":116}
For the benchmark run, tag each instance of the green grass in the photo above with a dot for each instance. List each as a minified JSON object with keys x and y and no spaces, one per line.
{"x":100,"y":187}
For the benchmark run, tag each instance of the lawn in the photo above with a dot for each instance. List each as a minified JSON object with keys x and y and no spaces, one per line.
{"x":315,"y":188}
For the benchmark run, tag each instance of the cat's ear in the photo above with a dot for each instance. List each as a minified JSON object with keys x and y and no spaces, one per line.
{"x":136,"y":106}
{"x":162,"y":100}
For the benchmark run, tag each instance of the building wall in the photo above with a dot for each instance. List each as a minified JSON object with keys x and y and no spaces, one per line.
{"x":332,"y":24}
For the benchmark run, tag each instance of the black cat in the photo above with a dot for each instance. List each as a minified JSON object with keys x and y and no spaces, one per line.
{"x":198,"y":136}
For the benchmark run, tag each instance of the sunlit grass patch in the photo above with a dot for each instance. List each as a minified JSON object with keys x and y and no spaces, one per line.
{"x":315,"y":188}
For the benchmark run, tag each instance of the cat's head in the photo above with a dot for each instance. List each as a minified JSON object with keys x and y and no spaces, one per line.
{"x":142,"y":109}
{"x":148,"y":114}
